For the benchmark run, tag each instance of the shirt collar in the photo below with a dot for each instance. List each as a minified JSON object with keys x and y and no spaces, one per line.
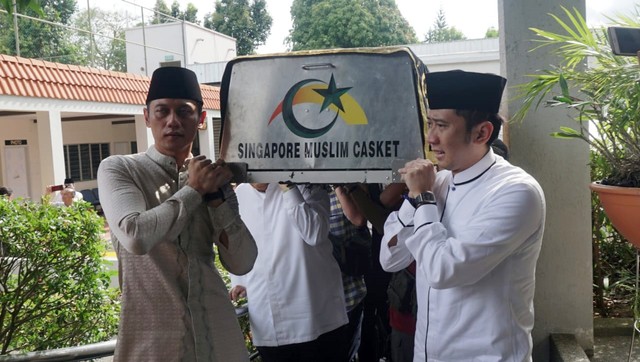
{"x":474,"y":172}
{"x":166,"y":162}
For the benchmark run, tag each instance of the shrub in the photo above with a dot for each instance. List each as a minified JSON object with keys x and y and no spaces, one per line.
{"x":54,"y":285}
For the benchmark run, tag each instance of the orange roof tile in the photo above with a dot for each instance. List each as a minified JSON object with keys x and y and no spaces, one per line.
{"x":35,"y":78}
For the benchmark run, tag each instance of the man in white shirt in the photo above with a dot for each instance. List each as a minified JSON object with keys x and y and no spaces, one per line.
{"x":296,"y":301}
{"x":474,"y":229}
{"x":56,"y":198}
{"x":67,"y":197}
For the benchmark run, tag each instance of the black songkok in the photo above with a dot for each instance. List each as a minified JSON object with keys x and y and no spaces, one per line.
{"x":174,"y":82}
{"x":462,"y":90}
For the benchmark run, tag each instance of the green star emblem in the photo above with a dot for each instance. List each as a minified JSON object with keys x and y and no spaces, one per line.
{"x":332,"y":95}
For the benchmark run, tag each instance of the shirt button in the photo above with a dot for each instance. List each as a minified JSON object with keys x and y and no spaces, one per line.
{"x":453,"y":188}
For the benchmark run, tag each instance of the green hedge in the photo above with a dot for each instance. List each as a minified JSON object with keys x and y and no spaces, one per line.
{"x":54,"y":284}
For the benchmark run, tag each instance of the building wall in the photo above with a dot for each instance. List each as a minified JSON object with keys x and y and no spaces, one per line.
{"x":24,"y":130}
{"x":475,"y":55}
{"x":79,"y":132}
{"x":564,"y":292}
{"x":76,"y":132}
{"x":207,"y":46}
{"x":181,"y":42}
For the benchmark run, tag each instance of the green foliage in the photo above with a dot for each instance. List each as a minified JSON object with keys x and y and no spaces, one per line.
{"x":161,"y":10}
{"x":324,"y":24}
{"x":605,"y":96}
{"x":248,"y":22}
{"x":441,"y":32}
{"x":21,"y":6}
{"x":53,"y":281}
{"x":106,"y":49}
{"x":42,"y":40}
{"x":190,"y":14}
{"x":492,"y":33}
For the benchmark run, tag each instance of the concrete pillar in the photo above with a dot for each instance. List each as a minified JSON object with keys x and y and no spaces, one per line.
{"x":51,"y":152}
{"x":144,"y":137}
{"x":563,"y":301}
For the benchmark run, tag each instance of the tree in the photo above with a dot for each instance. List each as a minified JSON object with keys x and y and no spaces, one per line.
{"x":190,"y":14}
{"x":21,"y":6}
{"x":160,"y":12}
{"x":492,"y":33}
{"x":322,"y":24}
{"x":42,"y":40}
{"x":249,"y":23}
{"x":441,"y":32}
{"x":106,"y":47}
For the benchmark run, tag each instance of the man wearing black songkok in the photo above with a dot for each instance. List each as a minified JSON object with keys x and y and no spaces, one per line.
{"x":474,"y":229}
{"x":166,"y":209}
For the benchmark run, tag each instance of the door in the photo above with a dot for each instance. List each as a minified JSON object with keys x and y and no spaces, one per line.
{"x":15,"y":167}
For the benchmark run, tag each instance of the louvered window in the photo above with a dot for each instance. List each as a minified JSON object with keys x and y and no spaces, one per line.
{"x":81,"y":161}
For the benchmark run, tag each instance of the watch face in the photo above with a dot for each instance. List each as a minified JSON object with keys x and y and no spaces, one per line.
{"x":426,"y":197}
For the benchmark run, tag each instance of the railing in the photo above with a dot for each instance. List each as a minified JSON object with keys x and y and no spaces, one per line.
{"x":88,"y":351}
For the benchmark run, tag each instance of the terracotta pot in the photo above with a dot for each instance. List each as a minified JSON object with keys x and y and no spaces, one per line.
{"x":622,"y":206}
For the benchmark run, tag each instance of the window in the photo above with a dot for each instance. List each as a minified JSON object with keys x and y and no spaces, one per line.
{"x":81,"y":161}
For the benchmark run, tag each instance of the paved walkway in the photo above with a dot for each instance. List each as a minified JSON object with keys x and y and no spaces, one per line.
{"x":612,"y":339}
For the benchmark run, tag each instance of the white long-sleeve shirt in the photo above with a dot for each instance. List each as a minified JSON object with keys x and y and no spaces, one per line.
{"x":295,"y":289}
{"x":476,"y":253}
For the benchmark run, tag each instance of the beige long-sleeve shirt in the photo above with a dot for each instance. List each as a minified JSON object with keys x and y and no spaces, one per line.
{"x":175,"y":306}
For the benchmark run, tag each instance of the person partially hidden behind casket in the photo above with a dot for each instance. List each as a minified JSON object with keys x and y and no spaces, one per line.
{"x":296,"y":300}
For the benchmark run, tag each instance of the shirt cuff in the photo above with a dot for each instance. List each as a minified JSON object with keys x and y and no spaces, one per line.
{"x":425,"y":214}
{"x":223,"y":215}
{"x":190,"y":197}
{"x":293,"y":197}
{"x":406,"y":214}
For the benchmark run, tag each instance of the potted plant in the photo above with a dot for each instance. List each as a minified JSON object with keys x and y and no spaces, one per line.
{"x":605,"y":97}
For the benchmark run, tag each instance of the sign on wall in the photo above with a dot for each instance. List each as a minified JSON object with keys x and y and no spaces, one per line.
{"x":15,"y":142}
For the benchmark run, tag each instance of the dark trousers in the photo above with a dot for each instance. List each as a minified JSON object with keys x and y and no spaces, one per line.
{"x":330,"y":346}
{"x":354,"y":330}
{"x":375,"y":322}
{"x":401,"y":346}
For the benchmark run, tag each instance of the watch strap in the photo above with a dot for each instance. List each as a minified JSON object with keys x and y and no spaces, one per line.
{"x":213,"y":196}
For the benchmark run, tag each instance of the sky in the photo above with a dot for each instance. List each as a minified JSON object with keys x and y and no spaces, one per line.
{"x":471,"y":17}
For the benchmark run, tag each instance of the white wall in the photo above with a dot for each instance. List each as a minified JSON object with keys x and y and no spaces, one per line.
{"x":184,"y":42}
{"x":207,"y":46}
{"x":564,"y":291}
{"x":475,"y":55}
{"x":164,"y":43}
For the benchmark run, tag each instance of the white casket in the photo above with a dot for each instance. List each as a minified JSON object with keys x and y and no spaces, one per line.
{"x":324,"y":116}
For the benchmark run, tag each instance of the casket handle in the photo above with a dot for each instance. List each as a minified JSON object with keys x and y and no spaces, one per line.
{"x":317,"y":66}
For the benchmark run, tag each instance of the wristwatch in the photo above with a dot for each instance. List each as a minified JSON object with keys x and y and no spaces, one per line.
{"x":424,"y":198}
{"x":213,"y":196}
